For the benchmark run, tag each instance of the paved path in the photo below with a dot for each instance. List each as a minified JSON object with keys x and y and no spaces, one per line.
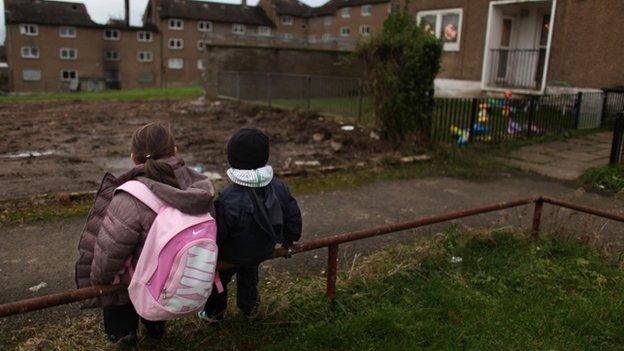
{"x":565,"y":160}
{"x":46,"y":251}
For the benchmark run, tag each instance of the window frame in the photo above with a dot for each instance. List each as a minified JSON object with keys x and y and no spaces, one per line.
{"x":69,"y":79}
{"x":287,"y":20}
{"x":151,"y":56}
{"x":328,"y":20}
{"x":175,"y":47}
{"x":175,"y":59}
{"x":451,"y":47}
{"x":239,"y":25}
{"x":369,"y":13}
{"x":145,"y":32}
{"x":171,"y":21}
{"x":112,"y":59}
{"x":112,"y":38}
{"x":367,"y":33}
{"x":345,"y":12}
{"x":31,"y":70}
{"x":30,"y":51}
{"x":348,"y":33}
{"x":200,"y":64}
{"x":207,"y":24}
{"x":201,"y":45}
{"x":326,"y":37}
{"x":266,"y":33}
{"x":74,"y":50}
{"x":287,"y":37}
{"x":23,"y":31}
{"x":61,"y":35}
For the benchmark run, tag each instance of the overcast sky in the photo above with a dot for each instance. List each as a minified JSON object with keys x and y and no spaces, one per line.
{"x":102,"y":10}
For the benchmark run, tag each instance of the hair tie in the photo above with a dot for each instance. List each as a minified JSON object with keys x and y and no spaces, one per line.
{"x":149,"y":157}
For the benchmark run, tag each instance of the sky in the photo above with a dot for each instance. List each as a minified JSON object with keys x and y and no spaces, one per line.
{"x":102,"y":10}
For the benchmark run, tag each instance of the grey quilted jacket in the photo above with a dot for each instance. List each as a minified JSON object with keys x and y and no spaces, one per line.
{"x":117,"y":225}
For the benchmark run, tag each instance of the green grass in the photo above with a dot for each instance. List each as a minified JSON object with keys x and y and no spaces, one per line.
{"x":609,"y":178}
{"x":508,"y":293}
{"x":120,"y":95}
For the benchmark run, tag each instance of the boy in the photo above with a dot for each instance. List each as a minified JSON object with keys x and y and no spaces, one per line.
{"x":254,"y":214}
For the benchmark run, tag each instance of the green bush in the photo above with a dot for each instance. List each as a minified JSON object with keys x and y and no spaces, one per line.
{"x":402,"y":62}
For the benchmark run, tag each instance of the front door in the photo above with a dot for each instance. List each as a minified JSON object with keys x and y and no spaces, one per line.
{"x":505,"y":49}
{"x":111,"y":77}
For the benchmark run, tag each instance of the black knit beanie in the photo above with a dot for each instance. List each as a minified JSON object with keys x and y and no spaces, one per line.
{"x":248,"y":148}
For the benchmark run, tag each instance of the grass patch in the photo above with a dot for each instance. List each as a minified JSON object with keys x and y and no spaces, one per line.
{"x":507,"y":292}
{"x":609,"y":178}
{"x":120,"y":95}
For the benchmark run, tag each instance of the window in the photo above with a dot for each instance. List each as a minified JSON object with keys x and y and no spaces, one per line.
{"x":111,"y":56}
{"x":31,"y":75}
{"x":31,"y":52}
{"x":287,"y":36}
{"x":68,"y":54}
{"x":176,"y":44}
{"x":145,"y":37}
{"x":327,"y":20}
{"x":365,"y":30}
{"x":200,"y":64}
{"x":145,"y":56}
{"x":69,"y":74}
{"x":367,"y":10}
{"x":176,"y":24}
{"x":444,"y":24}
{"x":111,"y":34}
{"x":176,"y":63}
{"x":29,"y":29}
{"x":345,"y":31}
{"x":312,"y":38}
{"x":238,"y":28}
{"x":201,"y":44}
{"x":326,"y":37}
{"x":287,"y":20}
{"x":67,"y":32}
{"x":264,"y":31}
{"x":146,"y":77}
{"x":204,"y":26}
{"x":345,"y":12}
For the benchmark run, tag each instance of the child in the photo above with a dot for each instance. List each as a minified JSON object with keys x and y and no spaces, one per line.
{"x":254,"y":214}
{"x":117,"y":225}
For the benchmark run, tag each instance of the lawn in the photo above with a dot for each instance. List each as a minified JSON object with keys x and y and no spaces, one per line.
{"x":120,"y":95}
{"x":461,"y":291}
{"x":608,"y":178}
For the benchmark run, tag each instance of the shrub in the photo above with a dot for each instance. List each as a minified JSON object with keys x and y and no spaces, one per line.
{"x":402,"y":62}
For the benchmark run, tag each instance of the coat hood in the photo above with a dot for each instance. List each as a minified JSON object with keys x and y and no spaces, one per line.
{"x":196,"y":192}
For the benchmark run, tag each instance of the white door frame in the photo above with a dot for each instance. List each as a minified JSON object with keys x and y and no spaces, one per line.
{"x":486,"y":63}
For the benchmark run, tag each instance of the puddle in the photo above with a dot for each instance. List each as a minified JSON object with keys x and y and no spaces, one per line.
{"x":27,"y":154}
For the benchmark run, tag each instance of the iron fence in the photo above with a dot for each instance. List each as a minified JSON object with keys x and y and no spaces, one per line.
{"x":454,"y":120}
{"x":331,"y":243}
{"x":617,"y":143}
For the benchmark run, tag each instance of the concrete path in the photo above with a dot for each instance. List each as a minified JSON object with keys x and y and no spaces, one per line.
{"x":46,"y":251}
{"x":565,"y":160}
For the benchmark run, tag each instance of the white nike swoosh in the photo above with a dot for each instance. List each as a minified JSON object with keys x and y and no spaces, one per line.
{"x":198,"y":231}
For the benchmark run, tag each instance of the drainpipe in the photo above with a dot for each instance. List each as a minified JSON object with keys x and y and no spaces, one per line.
{"x":127,"y":12}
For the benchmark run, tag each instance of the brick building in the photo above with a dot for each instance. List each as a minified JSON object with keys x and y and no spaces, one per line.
{"x":527,"y":46}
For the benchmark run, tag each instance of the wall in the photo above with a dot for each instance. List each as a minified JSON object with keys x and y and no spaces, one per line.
{"x":379,"y":14}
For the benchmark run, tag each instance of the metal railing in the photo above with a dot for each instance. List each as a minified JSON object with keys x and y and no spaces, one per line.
{"x":617,"y":143}
{"x":516,"y":68}
{"x":331,"y":243}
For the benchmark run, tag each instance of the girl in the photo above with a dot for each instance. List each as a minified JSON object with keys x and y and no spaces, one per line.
{"x":118,"y":225}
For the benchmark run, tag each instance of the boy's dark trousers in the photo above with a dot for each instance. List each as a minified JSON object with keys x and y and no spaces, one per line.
{"x":120,"y":321}
{"x":246,"y":291}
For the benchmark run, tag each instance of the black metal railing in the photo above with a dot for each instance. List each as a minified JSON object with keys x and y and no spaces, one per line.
{"x":516,"y":68}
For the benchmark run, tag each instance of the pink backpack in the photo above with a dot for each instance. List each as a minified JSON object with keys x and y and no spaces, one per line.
{"x":177,"y":267}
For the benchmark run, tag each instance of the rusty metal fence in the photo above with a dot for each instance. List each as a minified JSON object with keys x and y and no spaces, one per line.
{"x":331,"y":243}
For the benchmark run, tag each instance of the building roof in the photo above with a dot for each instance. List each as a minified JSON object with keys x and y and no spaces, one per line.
{"x":58,"y":13}
{"x":48,"y":12}
{"x":292,"y":7}
{"x":213,"y":11}
{"x":332,"y":6}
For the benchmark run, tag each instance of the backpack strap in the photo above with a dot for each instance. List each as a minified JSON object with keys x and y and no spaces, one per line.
{"x":143,"y":194}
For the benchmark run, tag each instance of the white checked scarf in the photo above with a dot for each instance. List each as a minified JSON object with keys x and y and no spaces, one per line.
{"x":252,"y":178}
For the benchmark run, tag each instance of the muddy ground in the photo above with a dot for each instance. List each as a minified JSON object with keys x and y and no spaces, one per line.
{"x":67,"y":146}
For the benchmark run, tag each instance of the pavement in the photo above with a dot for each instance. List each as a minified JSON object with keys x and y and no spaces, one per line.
{"x":45,"y":252}
{"x":565,"y":160}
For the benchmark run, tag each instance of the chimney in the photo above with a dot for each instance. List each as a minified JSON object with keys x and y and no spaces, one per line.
{"x":127,"y":13}
{"x":244,"y":3}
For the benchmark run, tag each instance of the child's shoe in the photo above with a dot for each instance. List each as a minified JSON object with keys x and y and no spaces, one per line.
{"x":216,"y":318}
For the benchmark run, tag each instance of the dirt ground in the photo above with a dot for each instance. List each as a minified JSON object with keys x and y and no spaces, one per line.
{"x":66,"y":146}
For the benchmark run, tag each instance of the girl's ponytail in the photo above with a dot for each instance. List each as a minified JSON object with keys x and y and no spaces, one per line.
{"x":150,"y":145}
